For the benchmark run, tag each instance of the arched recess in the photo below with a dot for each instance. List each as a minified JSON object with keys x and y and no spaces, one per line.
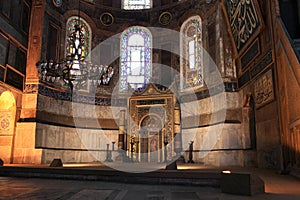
{"x":87,"y":34}
{"x":7,"y":125}
{"x":191,"y":51}
{"x":151,"y":139}
{"x":250,"y":120}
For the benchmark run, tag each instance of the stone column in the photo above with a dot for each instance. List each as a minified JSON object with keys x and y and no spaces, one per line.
{"x":177,"y":131}
{"x":121,"y":140}
{"x":24,"y":148}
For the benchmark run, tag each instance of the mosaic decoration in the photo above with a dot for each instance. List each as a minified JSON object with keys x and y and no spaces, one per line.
{"x":218,"y":89}
{"x":136,"y":56}
{"x":6,"y":127}
{"x":66,"y":96}
{"x":192,"y":54}
{"x":243,"y":19}
{"x":86,"y":30}
{"x":263,"y":89}
{"x":137,"y":4}
{"x":151,"y":119}
{"x":5,"y":123}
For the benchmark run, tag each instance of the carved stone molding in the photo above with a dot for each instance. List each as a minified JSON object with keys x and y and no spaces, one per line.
{"x":152,"y":89}
{"x":31,"y":88}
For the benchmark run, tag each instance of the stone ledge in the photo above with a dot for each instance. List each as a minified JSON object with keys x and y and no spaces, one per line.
{"x":171,"y":177}
{"x":242,"y":184}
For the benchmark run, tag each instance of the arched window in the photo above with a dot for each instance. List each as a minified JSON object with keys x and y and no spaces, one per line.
{"x":136,"y":44}
{"x":136,"y":4}
{"x":87,"y":33}
{"x":191,"y":64}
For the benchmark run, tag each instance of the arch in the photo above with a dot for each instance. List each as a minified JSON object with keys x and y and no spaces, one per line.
{"x":151,"y":138}
{"x":87,"y":33}
{"x":83,"y":15}
{"x":135,"y":59}
{"x":147,"y":121}
{"x":7,"y":125}
{"x":136,"y":4}
{"x":249,"y":104}
{"x":7,"y":101}
{"x":191,"y":62}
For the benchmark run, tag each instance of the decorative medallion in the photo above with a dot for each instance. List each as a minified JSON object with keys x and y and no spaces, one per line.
{"x":165,"y":18}
{"x":5,"y":123}
{"x":106,"y":19}
{"x":243,"y":19}
{"x":57,"y":3}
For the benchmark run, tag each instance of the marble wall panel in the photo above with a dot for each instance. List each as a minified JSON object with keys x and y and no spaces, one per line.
{"x":49,"y":136}
{"x":222,"y":136}
{"x":225,"y":158}
{"x":71,"y":109}
{"x":212,"y":104}
{"x":75,"y":156}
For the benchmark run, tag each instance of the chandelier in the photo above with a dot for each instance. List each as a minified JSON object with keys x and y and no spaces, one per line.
{"x":74,"y":71}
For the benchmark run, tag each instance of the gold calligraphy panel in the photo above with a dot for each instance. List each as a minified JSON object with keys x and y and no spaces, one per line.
{"x":263,"y":89}
{"x":244,"y":20}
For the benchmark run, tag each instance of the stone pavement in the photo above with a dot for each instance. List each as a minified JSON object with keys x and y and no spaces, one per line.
{"x":278,"y":187}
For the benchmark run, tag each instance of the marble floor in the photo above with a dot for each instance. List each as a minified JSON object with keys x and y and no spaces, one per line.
{"x":284,"y":188}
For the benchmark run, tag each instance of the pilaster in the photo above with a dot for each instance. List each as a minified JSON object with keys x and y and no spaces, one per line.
{"x":24,"y":145}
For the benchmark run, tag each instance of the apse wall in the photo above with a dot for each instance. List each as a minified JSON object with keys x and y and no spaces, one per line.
{"x":85,"y":137}
{"x":56,"y":131}
{"x":74,"y":131}
{"x":217,"y":131}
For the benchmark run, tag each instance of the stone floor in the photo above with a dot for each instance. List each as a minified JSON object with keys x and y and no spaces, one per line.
{"x":278,"y":187}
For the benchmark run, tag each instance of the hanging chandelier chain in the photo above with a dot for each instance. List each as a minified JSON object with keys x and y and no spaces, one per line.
{"x":74,"y":71}
{"x":77,"y":73}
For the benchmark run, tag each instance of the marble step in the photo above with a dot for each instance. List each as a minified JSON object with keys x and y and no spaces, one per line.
{"x":171,"y":177}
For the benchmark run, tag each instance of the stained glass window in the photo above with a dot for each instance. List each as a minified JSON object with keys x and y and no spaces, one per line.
{"x":136,"y":44}
{"x":87,"y":33}
{"x":191,"y":64}
{"x":136,"y":4}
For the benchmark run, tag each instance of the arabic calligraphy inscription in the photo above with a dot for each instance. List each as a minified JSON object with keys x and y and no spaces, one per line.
{"x":264,"y":92}
{"x":243,"y":19}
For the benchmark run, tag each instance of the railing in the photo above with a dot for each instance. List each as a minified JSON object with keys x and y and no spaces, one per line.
{"x":295,"y":44}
